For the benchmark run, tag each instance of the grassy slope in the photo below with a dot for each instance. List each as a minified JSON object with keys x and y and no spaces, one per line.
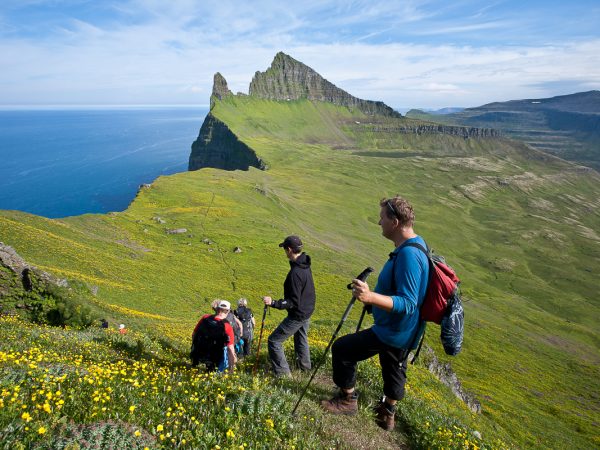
{"x":525,"y":249}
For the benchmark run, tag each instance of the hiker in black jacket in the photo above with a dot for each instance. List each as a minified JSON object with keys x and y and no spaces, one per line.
{"x":299,"y":301}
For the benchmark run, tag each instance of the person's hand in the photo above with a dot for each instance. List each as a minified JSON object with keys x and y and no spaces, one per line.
{"x":268,"y":300}
{"x":361,"y":291}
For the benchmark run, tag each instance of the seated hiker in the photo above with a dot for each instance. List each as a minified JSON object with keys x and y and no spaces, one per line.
{"x":212,"y":340}
{"x":238,"y":328}
{"x":122,"y":329}
{"x":244,"y":314}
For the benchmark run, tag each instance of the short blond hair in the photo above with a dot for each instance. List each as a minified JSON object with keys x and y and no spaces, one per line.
{"x":242,"y":302}
{"x":398,"y":208}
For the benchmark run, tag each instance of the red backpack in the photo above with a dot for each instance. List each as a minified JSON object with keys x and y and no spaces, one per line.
{"x":442,"y":303}
{"x":443,"y":284}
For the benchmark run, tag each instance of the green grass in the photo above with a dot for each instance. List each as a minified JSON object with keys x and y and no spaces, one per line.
{"x":521,"y":229}
{"x":61,"y":388}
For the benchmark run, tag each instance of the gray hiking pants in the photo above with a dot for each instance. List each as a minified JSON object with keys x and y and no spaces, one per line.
{"x":288,"y":327}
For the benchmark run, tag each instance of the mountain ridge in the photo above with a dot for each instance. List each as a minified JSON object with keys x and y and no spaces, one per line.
{"x":289,"y":79}
{"x":567,"y":126}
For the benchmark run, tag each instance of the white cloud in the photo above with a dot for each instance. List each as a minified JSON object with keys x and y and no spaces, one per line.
{"x":171,"y":56}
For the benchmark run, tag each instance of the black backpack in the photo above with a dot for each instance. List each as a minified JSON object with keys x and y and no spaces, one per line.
{"x":245,"y":316}
{"x":208,"y":342}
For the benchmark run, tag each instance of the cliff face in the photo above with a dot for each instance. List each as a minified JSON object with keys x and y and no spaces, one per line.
{"x":465,"y":132}
{"x":218,"y":147}
{"x":289,"y":79}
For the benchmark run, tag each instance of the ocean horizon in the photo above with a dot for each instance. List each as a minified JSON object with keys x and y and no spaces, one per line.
{"x":66,"y":160}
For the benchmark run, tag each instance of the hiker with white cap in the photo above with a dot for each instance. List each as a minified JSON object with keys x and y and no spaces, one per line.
{"x":213,"y":340}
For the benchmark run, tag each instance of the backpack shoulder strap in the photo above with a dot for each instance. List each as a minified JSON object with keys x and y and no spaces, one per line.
{"x":428,"y":255}
{"x":420,"y":247}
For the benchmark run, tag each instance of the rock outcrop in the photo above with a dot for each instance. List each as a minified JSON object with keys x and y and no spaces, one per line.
{"x":220,"y":89}
{"x":447,"y":376}
{"x":218,"y":147}
{"x":10,"y":259}
{"x":465,"y":132}
{"x":289,"y":79}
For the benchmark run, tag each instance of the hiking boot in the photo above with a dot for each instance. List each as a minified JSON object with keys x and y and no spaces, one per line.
{"x":283,"y":375}
{"x":384,"y":415}
{"x":341,"y":403}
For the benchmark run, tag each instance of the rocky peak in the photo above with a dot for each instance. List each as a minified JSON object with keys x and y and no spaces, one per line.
{"x":289,"y":79}
{"x":220,"y":88}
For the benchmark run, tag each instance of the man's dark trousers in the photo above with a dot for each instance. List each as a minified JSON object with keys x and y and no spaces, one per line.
{"x":299,"y":328}
{"x":348,"y":350}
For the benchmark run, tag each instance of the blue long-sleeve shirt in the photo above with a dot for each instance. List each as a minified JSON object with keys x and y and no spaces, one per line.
{"x":411,"y":273}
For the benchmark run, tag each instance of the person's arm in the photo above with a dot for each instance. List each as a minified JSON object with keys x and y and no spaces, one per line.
{"x":363,"y":294}
{"x":292,"y":297}
{"x":232,"y":358}
{"x":407,"y":274}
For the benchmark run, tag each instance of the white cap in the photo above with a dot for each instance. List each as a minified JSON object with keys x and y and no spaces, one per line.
{"x":224,"y":304}
{"x":121,"y":326}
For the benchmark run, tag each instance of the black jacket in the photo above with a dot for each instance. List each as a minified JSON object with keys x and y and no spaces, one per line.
{"x":298,"y":290}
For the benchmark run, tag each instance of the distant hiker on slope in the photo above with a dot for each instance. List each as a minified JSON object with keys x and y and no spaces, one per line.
{"x":244,"y":314}
{"x":395,"y":304}
{"x":212,"y":340}
{"x":237,"y":325}
{"x":299,"y":301}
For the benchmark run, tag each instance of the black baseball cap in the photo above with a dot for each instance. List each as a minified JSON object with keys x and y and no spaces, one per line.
{"x":291,"y":242}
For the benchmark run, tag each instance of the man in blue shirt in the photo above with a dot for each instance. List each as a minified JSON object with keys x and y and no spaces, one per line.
{"x":395,"y":304}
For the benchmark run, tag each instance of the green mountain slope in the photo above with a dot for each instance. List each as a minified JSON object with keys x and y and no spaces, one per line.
{"x":522,"y":229}
{"x":567,"y":126}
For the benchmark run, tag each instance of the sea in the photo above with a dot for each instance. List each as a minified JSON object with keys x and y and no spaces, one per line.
{"x":59,"y":162}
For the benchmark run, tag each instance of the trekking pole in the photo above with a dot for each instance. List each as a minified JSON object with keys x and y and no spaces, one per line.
{"x":362,"y":316}
{"x":262,"y":327}
{"x":362,"y":277}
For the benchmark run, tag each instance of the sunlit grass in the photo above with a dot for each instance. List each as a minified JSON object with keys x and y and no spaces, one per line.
{"x":516,"y":228}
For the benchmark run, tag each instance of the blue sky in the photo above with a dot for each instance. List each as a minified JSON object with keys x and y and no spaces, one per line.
{"x":427,"y":54}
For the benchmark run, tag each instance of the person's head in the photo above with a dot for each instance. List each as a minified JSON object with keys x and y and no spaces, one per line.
{"x":292,"y":246}
{"x":122,"y":326}
{"x":215,"y":304}
{"x":242,"y":302}
{"x":223,"y":307}
{"x":396,"y":216}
